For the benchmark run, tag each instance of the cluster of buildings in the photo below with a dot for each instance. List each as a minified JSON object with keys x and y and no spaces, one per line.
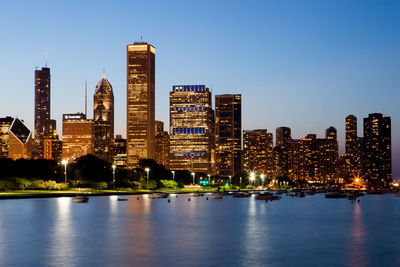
{"x":202,"y":137}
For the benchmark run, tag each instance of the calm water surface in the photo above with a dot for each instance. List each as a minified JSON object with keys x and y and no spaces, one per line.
{"x":310,"y":231}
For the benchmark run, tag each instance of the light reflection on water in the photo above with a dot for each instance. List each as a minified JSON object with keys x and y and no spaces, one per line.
{"x":200,"y":232}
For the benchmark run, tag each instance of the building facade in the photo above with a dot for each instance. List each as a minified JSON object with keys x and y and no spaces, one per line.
{"x":43,"y":125}
{"x":5,"y":124}
{"x":228,"y":134}
{"x":353,"y":147}
{"x":162,"y":144}
{"x":377,"y":150}
{"x":283,"y":135}
{"x":258,"y":152}
{"x":20,"y":141}
{"x":78,"y":136}
{"x":313,"y":159}
{"x":103,"y":117}
{"x":191,"y":128}
{"x":140,"y":102}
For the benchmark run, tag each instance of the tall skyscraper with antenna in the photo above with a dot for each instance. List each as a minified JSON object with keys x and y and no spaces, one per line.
{"x":44,"y":126}
{"x":140,"y":129}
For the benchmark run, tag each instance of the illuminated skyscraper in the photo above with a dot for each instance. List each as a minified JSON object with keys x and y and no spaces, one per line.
{"x":78,"y":136}
{"x":377,"y":150}
{"x":258,"y":152}
{"x":353,"y":147}
{"x":228,"y":134}
{"x":20,"y":141}
{"x":312,"y":158}
{"x":162,"y":144}
{"x":43,"y":125}
{"x":191,"y":128}
{"x":283,"y":136}
{"x":5,"y":124}
{"x":103,"y":117}
{"x":140,"y":102}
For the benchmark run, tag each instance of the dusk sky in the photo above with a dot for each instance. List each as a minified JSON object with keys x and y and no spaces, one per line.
{"x":301,"y":64}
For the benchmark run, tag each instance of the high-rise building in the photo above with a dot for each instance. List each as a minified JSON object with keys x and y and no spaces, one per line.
{"x":353,"y":147}
{"x":228,"y":134}
{"x":377,"y":150}
{"x":191,"y":128}
{"x":103,"y":117}
{"x":43,"y":125}
{"x":258,"y":152}
{"x":20,"y":141}
{"x":161,"y":144}
{"x":78,"y":136}
{"x":331,"y":133}
{"x":119,"y":151}
{"x":52,"y":148}
{"x":283,"y":134}
{"x":140,"y":102}
{"x":313,"y":159}
{"x":5,"y":124}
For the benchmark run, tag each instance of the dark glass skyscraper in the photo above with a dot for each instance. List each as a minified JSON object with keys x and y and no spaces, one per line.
{"x":103,"y":117}
{"x":140,"y":103}
{"x":43,"y":125}
{"x":228,"y":134}
{"x":283,"y":134}
{"x":353,"y":147}
{"x":377,"y":150}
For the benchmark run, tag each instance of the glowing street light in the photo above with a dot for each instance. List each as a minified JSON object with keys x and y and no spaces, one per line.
{"x":262,"y":179}
{"x":230,"y":180}
{"x":147,"y":170}
{"x":173,"y":175}
{"x":252,"y":176}
{"x":113,"y":167}
{"x":209,"y":179}
{"x":65,"y":163}
{"x":193,"y":174}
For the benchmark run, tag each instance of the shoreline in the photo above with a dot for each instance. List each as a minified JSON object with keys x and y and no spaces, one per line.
{"x":27,"y":195}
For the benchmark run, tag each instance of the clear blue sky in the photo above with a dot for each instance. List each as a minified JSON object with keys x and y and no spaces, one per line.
{"x":302,"y":64}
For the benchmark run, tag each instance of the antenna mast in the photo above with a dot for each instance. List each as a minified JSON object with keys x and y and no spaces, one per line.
{"x":45,"y":58}
{"x":86,"y":99}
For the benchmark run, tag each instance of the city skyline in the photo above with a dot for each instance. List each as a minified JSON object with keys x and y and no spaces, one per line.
{"x":327,"y":96}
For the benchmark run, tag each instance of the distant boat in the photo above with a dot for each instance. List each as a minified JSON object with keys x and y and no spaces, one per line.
{"x":217,"y":196}
{"x":267,"y":197}
{"x":158,"y":195}
{"x":122,"y":199}
{"x":241,"y":194}
{"x":81,"y":199}
{"x":196,"y":194}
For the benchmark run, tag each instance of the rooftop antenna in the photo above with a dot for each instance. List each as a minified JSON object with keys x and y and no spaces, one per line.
{"x":141,"y":38}
{"x":104,"y":72}
{"x":45,"y":58}
{"x":86,"y":99}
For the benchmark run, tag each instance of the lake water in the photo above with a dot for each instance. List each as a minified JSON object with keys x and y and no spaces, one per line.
{"x":310,"y":231}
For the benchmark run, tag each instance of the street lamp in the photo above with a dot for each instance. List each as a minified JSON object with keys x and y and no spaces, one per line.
{"x":147,"y":170}
{"x":209,"y":178}
{"x":262,"y":179}
{"x":65,"y":163}
{"x":240,"y":181}
{"x":252,"y":176}
{"x":193,"y":174}
{"x":230,"y":180}
{"x":113,"y":166}
{"x":173,"y":175}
